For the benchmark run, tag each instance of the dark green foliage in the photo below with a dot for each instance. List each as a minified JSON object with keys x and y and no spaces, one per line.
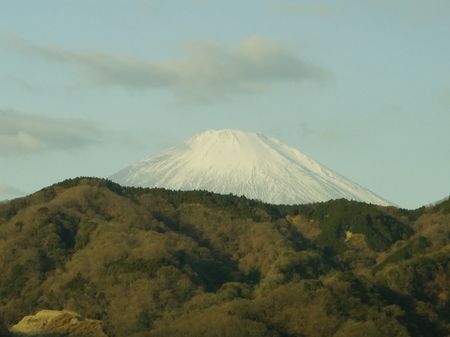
{"x":443,"y":206}
{"x":338,"y":216}
{"x":56,"y":233}
{"x":9,"y":209}
{"x":412,"y":215}
{"x":83,"y":234}
{"x":414,"y":247}
{"x":12,"y":283}
{"x":129,"y":265}
{"x":4,"y":332}
{"x":83,"y":296}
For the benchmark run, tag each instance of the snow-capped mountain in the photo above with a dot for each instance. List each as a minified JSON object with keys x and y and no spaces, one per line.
{"x":243,"y":163}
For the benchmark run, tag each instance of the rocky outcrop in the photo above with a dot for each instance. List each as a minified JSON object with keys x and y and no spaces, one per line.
{"x":57,"y":323}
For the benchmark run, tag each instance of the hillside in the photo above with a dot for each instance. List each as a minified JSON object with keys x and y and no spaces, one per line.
{"x":154,"y":262}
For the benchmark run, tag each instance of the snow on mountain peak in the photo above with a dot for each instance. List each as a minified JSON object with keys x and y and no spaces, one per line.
{"x":243,"y":163}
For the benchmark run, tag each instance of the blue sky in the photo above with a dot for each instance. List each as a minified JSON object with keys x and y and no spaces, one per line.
{"x":363,"y":87}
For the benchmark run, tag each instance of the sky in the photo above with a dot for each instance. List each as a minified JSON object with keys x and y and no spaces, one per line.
{"x":363,"y":87}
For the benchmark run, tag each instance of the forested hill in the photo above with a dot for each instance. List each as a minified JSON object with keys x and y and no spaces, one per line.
{"x":153,"y":262}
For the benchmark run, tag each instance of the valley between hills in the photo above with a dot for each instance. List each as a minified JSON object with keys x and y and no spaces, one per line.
{"x":139,"y":262}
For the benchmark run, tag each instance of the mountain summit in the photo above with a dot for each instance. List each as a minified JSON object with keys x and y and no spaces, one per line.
{"x":243,"y":163}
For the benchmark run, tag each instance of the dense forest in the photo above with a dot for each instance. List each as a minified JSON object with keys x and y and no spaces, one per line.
{"x":154,"y":263}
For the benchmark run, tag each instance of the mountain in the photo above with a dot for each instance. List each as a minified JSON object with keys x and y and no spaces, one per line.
{"x":162,"y":263}
{"x":243,"y":163}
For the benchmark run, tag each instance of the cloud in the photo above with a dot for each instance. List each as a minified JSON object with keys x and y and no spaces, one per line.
{"x":207,"y":70}
{"x":22,"y":133}
{"x":7,"y":191}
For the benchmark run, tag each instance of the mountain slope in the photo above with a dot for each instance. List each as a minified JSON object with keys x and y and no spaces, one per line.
{"x":243,"y":163}
{"x":155,"y":262}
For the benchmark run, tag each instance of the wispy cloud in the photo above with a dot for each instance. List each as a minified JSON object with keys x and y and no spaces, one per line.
{"x":22,"y":133}
{"x":8,"y":191}
{"x":206,"y":70}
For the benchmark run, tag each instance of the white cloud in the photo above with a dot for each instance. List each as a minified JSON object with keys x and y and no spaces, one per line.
{"x":206,"y":70}
{"x":22,"y":133}
{"x":19,"y":142}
